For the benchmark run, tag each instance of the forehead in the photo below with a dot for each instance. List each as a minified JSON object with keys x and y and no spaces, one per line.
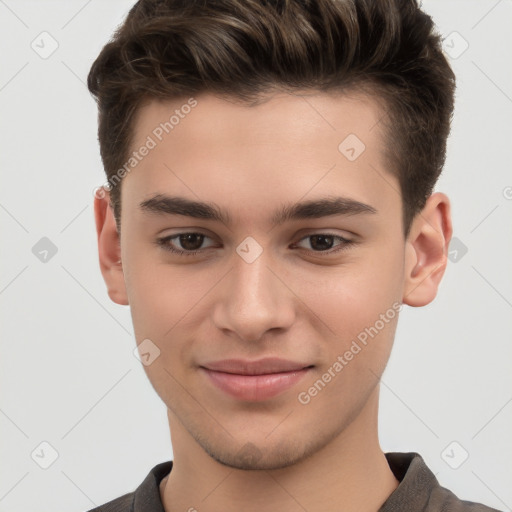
{"x":212,"y":119}
{"x":290,"y":144}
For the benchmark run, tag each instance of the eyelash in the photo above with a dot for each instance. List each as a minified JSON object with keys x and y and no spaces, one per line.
{"x":164,"y":244}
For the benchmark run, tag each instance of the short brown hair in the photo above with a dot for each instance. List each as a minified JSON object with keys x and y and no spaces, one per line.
{"x":244,"y":48}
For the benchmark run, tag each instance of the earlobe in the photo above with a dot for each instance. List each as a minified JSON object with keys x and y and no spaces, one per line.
{"x":109,"y":250}
{"x":426,"y":249}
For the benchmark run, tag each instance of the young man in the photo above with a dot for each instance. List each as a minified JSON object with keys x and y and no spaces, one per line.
{"x":269,"y":209}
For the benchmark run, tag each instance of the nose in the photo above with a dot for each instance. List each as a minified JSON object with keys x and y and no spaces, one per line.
{"x":253,"y":300}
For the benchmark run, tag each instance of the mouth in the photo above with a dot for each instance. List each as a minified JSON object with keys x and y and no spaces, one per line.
{"x":255,"y":380}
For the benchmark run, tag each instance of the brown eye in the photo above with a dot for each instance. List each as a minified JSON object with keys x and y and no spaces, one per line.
{"x":191,"y":241}
{"x":325,"y":242}
{"x":321,"y":242}
{"x":186,"y":244}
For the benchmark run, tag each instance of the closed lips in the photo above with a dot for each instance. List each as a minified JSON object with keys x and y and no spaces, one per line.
{"x":259,"y":367}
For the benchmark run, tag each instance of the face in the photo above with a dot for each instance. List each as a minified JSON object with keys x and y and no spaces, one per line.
{"x":295,"y":253}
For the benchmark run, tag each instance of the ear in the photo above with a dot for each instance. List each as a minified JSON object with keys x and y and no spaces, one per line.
{"x":426,"y":251}
{"x":109,"y":248}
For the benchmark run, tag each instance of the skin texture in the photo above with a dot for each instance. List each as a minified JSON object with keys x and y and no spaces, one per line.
{"x":294,"y":301}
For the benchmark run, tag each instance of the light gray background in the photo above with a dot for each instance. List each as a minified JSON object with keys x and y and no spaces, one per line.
{"x":68,"y":373}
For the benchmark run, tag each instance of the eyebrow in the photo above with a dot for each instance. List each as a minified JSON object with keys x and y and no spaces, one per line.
{"x":174,"y":205}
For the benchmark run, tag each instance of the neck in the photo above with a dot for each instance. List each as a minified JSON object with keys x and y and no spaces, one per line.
{"x":351,"y":473}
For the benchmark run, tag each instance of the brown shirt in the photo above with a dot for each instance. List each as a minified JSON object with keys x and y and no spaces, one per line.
{"x":418,"y":490}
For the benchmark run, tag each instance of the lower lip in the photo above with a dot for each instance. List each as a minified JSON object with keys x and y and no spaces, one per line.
{"x":255,"y":387}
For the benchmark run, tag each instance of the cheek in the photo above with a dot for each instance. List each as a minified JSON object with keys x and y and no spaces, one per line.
{"x":153,"y":299}
{"x":162,"y":308}
{"x":342,"y":301}
{"x":166,"y":301}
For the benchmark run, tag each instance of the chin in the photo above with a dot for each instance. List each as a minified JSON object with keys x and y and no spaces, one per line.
{"x":251,"y":457}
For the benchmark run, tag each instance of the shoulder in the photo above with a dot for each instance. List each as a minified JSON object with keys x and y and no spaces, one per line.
{"x":122,"y":504}
{"x":146,"y":498}
{"x":445,"y":501}
{"x":419,"y":489}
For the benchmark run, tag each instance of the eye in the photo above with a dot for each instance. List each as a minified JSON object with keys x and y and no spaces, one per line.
{"x":324,"y":243}
{"x":189,"y":243}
